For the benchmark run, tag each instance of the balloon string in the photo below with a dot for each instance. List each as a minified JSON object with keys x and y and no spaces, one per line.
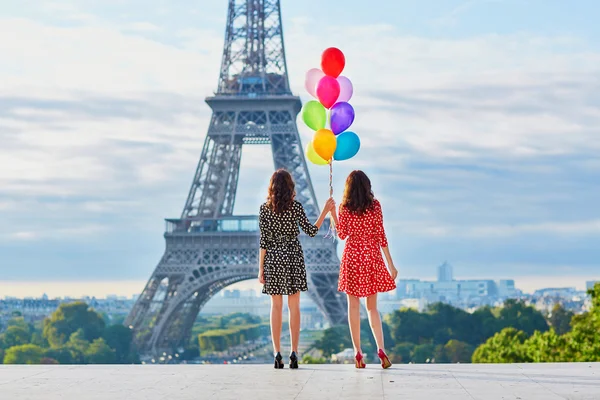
{"x":331,"y":232}
{"x":330,"y":178}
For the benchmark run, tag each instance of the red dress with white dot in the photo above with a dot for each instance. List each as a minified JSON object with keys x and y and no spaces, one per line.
{"x":363,"y":272}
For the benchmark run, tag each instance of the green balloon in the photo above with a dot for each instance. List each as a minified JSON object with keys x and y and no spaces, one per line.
{"x":314,"y":115}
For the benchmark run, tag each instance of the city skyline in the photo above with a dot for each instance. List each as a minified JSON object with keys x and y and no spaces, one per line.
{"x":478,"y":133}
{"x":78,"y":289}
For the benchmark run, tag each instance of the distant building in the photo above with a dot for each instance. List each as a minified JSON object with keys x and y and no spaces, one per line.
{"x":33,"y":309}
{"x":555,"y":292}
{"x":232,"y":294}
{"x":506,"y":288}
{"x":387,"y":307}
{"x":444,"y":273}
{"x":462,"y":293}
{"x":402,"y":287}
{"x":451,"y":289}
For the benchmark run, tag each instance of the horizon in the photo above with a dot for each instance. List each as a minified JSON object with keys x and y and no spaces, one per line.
{"x":128,"y":288}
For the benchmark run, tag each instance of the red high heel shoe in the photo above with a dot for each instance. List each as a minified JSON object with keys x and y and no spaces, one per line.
{"x":385,"y":361}
{"x":358,"y":361}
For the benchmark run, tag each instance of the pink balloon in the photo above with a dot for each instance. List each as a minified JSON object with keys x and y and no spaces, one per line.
{"x":346,"y":89}
{"x":328,"y":91}
{"x":313,"y":76}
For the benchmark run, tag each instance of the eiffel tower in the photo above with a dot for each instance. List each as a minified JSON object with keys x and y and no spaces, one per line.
{"x":208,"y":248}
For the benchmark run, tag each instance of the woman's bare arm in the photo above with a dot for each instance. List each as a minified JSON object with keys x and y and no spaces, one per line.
{"x":390,"y":262}
{"x":261,"y":266}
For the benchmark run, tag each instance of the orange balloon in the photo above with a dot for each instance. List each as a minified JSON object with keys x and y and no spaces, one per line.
{"x":324,"y":143}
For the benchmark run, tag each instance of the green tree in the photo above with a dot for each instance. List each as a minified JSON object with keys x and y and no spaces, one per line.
{"x":237,"y":319}
{"x":24,"y":354}
{"x":15,"y":335}
{"x":457,"y":352}
{"x":63,"y":355}
{"x":78,"y":346}
{"x":189,"y":353}
{"x":485,"y":325}
{"x":408,"y":325}
{"x":313,"y":360}
{"x":583,"y":341}
{"x":100,"y":353}
{"x":505,"y":346}
{"x":423,"y":353}
{"x":334,"y":340}
{"x":38,"y":339}
{"x":450,"y":323}
{"x":118,"y":320}
{"x":546,"y":347}
{"x":401,"y":353}
{"x":120,"y":338}
{"x":69,"y":318}
{"x":518,"y":315}
{"x":337,"y":338}
{"x":560,"y":319}
{"x":19,"y":321}
{"x":221,"y":339}
{"x":439,"y":355}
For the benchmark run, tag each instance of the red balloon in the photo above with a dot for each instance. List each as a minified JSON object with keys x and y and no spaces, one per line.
{"x":333,"y":62}
{"x":328,"y":91}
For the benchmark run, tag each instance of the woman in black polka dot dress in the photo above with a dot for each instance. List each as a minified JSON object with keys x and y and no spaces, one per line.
{"x":282,"y":270}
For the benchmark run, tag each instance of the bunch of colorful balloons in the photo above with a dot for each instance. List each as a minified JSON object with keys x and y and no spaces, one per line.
{"x":332,"y":140}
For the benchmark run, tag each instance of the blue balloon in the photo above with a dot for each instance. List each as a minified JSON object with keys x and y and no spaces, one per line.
{"x":348,"y":145}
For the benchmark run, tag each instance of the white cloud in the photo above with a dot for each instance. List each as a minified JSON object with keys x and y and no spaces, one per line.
{"x":571,"y":229}
{"x":49,"y":233}
{"x":24,"y":235}
{"x":96,"y":59}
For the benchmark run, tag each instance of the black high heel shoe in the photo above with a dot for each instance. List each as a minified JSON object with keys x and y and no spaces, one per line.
{"x":293,"y":360}
{"x":278,"y":361}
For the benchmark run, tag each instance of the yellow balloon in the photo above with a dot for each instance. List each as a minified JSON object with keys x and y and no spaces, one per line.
{"x":324,"y":143}
{"x":313,"y":157}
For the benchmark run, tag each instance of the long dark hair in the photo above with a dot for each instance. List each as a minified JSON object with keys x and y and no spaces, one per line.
{"x":358,"y":196}
{"x":281,"y":191}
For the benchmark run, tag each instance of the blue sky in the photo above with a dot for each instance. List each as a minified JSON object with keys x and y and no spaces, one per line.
{"x":479,"y":122}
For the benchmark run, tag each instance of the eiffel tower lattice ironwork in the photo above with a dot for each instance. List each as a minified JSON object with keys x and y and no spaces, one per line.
{"x":209,"y":248}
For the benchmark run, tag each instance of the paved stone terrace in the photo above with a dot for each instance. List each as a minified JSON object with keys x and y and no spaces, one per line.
{"x":318,"y":382}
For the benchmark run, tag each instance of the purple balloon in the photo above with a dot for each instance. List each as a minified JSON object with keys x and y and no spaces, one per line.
{"x":342,"y":117}
{"x":346,"y":89}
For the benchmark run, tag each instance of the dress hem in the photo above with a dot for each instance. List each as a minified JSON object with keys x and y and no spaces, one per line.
{"x":285,"y":294}
{"x":367,"y":295}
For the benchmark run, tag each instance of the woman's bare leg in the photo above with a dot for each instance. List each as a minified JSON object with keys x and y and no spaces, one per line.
{"x":276,"y":310}
{"x":354,"y":321}
{"x":375,"y":320}
{"x":294,"y":317}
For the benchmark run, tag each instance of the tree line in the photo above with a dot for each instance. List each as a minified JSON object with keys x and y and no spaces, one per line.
{"x":73,"y":334}
{"x":218,"y":333}
{"x":514,"y":332}
{"x":577,"y":341}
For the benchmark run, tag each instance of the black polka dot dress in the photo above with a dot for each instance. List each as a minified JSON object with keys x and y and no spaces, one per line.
{"x":284,"y":269}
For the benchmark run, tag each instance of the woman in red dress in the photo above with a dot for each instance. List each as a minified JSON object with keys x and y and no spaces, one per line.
{"x":363,"y":272}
